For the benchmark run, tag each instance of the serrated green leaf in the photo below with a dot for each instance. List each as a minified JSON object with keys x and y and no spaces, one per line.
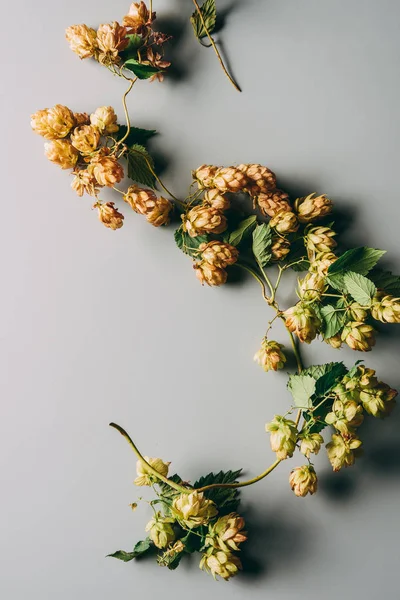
{"x":359,"y":260}
{"x":298,"y":253}
{"x":353,"y":370}
{"x":302,"y":387}
{"x":166,"y":491}
{"x":385,"y":280}
{"x":140,"y":165}
{"x":360,"y":288}
{"x":136,"y":135}
{"x":326,"y":382}
{"x":139,"y":69}
{"x":336,"y":281}
{"x":135,"y":42}
{"x":209,"y":13}
{"x":333,"y":320}
{"x":242,"y":231}
{"x":227,"y":499}
{"x":187,"y":244}
{"x":139,"y":549}
{"x":262,"y":241}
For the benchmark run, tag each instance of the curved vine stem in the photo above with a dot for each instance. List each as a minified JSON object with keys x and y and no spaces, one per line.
{"x":213,"y":44}
{"x":243,"y":483}
{"x":128,"y":122}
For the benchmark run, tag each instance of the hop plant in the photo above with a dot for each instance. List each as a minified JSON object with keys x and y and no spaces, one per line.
{"x":283,"y":436}
{"x":303,"y":321}
{"x":161,"y":531}
{"x":220,"y":564}
{"x":53,"y":123}
{"x":229,"y":179}
{"x":280,"y":247}
{"x":378,"y":401}
{"x":109,"y":215}
{"x":341,"y":451}
{"x":204,"y":219}
{"x":284,"y":222}
{"x":359,"y":336}
{"x":270,"y":356}
{"x":193,"y":510}
{"x":319,"y":240}
{"x":273,"y":202}
{"x":310,"y":443}
{"x":205,"y":175}
{"x":105,"y":120}
{"x":227,"y":533}
{"x":312,"y":287}
{"x":210,"y":274}
{"x":303,"y":481}
{"x":85,"y":139}
{"x":82,"y":40}
{"x":215,"y":199}
{"x":260,"y":179}
{"x":62,"y":153}
{"x":312,"y":207}
{"x":386,"y":308}
{"x":144,"y":476}
{"x":345,"y":416}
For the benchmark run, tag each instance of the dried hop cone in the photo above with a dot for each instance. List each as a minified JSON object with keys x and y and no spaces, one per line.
{"x":334,"y":341}
{"x":359,"y":336}
{"x":345,"y":416}
{"x":280,"y":247}
{"x":220,"y":564}
{"x":229,"y":179}
{"x":311,"y":287}
{"x":107,"y":170}
{"x":284,"y":222}
{"x":319,"y":239}
{"x":341,"y":451}
{"x":194,"y":509}
{"x":161,"y":531}
{"x":260,"y":179}
{"x":62,"y":153}
{"x":312,"y":207}
{"x":302,"y":320}
{"x":53,"y":123}
{"x":270,"y":356}
{"x":386,"y":308}
{"x":144,"y":477}
{"x":210,"y":274}
{"x":139,"y":18}
{"x":219,"y":254}
{"x":81,"y":119}
{"x":160,"y":213}
{"x":111,"y":39}
{"x":105,"y":120}
{"x":215,"y":199}
{"x":378,"y":401}
{"x":303,"y":481}
{"x":85,"y":139}
{"x":203,"y":219}
{"x":273,"y":202}
{"x":321,"y":262}
{"x":109,"y":215}
{"x":283,"y":436}
{"x":310,"y":443}
{"x":204,"y":176}
{"x":85,"y":181}
{"x":82,"y":40}
{"x":145,"y":202}
{"x":226,"y":533}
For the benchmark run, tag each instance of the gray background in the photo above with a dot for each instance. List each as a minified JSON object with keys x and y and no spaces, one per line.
{"x":100,"y":325}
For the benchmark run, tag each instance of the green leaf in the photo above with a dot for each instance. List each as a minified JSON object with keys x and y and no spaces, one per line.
{"x":302,"y":387}
{"x":187,"y":244}
{"x":298,"y":253}
{"x":136,"y":135}
{"x":336,"y":281}
{"x":385,"y":280}
{"x":166,"y":491}
{"x":243,"y":231}
{"x":140,"y":164}
{"x":139,"y":69}
{"x":333,"y":373}
{"x":227,"y":500}
{"x":138,"y":550}
{"x":359,"y":287}
{"x":353,"y":370}
{"x":262,"y":240}
{"x":135,"y":42}
{"x":333,"y":320}
{"x":209,"y":13}
{"x":359,"y":260}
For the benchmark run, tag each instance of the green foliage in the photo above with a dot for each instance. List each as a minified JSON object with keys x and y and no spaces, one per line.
{"x":359,"y":260}
{"x":385,"y":280}
{"x":262,"y":240}
{"x":302,"y":388}
{"x":136,"y":135}
{"x":333,"y":373}
{"x":187,"y":244}
{"x":243,"y":230}
{"x":166,"y":491}
{"x":139,"y":69}
{"x":135,"y":42}
{"x":227,"y":499}
{"x":360,"y":288}
{"x":209,"y":13}
{"x":140,"y":165}
{"x":333,"y":320}
{"x":336,"y":281}
{"x":139,"y":549}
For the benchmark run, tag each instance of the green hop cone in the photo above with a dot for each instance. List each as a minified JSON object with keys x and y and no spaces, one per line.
{"x":321,"y":263}
{"x":311,"y":287}
{"x":193,"y":510}
{"x":161,"y":531}
{"x":144,"y":477}
{"x":302,"y":320}
{"x":270,"y":356}
{"x":378,"y":401}
{"x":284,"y":222}
{"x":318,"y":240}
{"x":341,"y":452}
{"x":284,"y":436}
{"x":310,"y":443}
{"x":226,"y":533}
{"x":386,"y":308}
{"x":359,"y":336}
{"x":220,"y":563}
{"x":312,"y":207}
{"x":280,"y":247}
{"x":303,"y":481}
{"x":345,"y":416}
{"x":357,"y":313}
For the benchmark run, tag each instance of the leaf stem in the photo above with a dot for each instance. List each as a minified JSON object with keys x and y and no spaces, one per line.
{"x":242,"y":483}
{"x":233,"y":82}
{"x":256,"y":277}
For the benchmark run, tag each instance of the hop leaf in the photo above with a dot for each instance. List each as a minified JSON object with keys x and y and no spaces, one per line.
{"x":140,"y":164}
{"x":359,"y":287}
{"x":262,"y":241}
{"x":139,"y":549}
{"x":227,"y":500}
{"x":209,"y":13}
{"x":359,"y":260}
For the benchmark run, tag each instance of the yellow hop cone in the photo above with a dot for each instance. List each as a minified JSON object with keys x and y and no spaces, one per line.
{"x":229,"y":179}
{"x":272,"y":202}
{"x":53,"y":123}
{"x":335,"y":341}
{"x":109,"y":215}
{"x":321,"y":263}
{"x":139,"y":18}
{"x":260,"y":179}
{"x":345,"y":416}
{"x":319,"y":239}
{"x":85,"y":139}
{"x":341,"y":451}
{"x":141,"y":200}
{"x":356,"y":312}
{"x":82,"y":40}
{"x":302,"y":320}
{"x":280,"y":247}
{"x":359,"y":336}
{"x":303,"y":481}
{"x":210,"y":274}
{"x":85,"y":181}
{"x":219,"y":253}
{"x":81,"y":119}
{"x":204,"y":176}
{"x":270,"y":356}
{"x":226,"y":533}
{"x":161,"y":531}
{"x":159,"y":215}
{"x":105,"y":120}
{"x":365,"y":377}
{"x":144,"y":477}
{"x":283,"y":436}
{"x":378,"y":401}
{"x":62,"y":153}
{"x":203,"y":219}
{"x":312,"y":207}
{"x":215,"y":199}
{"x":194,"y":509}
{"x":310,"y":443}
{"x":166,"y":558}
{"x":220,"y":564}
{"x":386,"y":308}
{"x":111,"y":39}
{"x":284,"y":222}
{"x":107,"y":170}
{"x":311,"y":287}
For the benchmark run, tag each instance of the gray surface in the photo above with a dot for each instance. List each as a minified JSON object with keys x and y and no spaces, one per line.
{"x":101,"y":326}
